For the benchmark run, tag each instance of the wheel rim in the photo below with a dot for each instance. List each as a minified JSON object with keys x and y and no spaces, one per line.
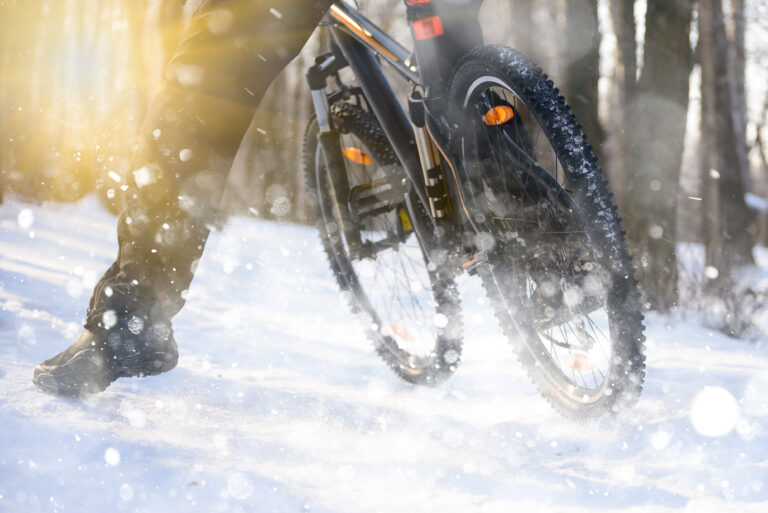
{"x":568,"y":325}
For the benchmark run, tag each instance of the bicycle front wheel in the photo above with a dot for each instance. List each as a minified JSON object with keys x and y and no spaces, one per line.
{"x":558,"y":272}
{"x":408,"y":309}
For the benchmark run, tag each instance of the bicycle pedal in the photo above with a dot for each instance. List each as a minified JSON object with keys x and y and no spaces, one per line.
{"x":376,"y":197}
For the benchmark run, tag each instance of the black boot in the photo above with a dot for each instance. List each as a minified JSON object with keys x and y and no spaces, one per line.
{"x":129,"y":348}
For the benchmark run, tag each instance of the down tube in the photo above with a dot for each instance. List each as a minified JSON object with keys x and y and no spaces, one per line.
{"x":387,"y":109}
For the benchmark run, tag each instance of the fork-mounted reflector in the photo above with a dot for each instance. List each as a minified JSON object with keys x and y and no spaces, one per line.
{"x":357,"y":156}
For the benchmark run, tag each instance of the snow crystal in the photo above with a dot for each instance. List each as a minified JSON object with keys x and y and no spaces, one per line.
{"x":188,"y":75}
{"x":755,"y":401}
{"x":756,"y":202}
{"x":746,"y":429}
{"x":143,"y":176}
{"x":26,"y":334}
{"x":156,"y":133}
{"x":74,"y":287}
{"x":281,"y":207}
{"x":277,"y":14}
{"x":185,"y":154}
{"x":109,"y":319}
{"x":220,"y":21}
{"x":711,"y":272}
{"x":573,"y":297}
{"x":714,"y":412}
{"x":112,"y":456}
{"x":89,"y":279}
{"x":135,"y":325}
{"x":114,"y":176}
{"x":25,"y":218}
{"x":440,"y":320}
{"x":655,"y":185}
{"x":239,"y":486}
{"x":450,"y":356}
{"x":484,"y":241}
{"x":126,"y":492}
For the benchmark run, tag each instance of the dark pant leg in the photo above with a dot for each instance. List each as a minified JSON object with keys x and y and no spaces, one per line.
{"x":230,"y":53}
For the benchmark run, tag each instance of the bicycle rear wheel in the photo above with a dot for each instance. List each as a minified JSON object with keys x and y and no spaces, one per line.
{"x":408,"y":310}
{"x":558,"y":272}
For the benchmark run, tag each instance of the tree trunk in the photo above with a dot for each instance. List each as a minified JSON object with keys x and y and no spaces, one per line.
{"x":583,"y":67}
{"x":625,"y":83}
{"x":737,"y":74}
{"x":657,"y":123}
{"x":709,"y":158}
{"x":724,"y":173}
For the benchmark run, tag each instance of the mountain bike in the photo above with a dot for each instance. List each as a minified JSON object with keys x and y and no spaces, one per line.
{"x":485,"y":172}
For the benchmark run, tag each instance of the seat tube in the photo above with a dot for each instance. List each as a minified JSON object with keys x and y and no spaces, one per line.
{"x":443,"y":31}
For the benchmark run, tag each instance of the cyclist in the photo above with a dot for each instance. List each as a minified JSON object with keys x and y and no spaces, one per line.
{"x":230,"y":52}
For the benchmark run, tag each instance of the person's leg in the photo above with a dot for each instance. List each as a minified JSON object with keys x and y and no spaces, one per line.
{"x":230,"y":53}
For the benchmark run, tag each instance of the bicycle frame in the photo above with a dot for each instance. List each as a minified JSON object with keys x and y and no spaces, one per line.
{"x":442,"y":34}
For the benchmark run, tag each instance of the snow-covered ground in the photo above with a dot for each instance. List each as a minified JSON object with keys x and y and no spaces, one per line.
{"x":279,"y":404}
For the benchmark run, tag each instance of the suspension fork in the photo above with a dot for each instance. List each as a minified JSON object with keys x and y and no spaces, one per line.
{"x":380,"y":97}
{"x":329,"y":141}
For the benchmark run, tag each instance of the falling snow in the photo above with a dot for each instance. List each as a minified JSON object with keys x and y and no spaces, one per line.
{"x":279,"y":404}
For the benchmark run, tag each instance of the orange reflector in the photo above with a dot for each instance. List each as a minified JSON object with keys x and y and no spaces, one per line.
{"x":417,"y":2}
{"x":428,"y":28}
{"x":578,"y":362}
{"x":402,"y":332}
{"x":499,"y":115}
{"x":357,"y":156}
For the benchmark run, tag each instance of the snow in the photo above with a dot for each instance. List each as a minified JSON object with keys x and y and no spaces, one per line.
{"x":755,"y":202}
{"x":279,"y":404}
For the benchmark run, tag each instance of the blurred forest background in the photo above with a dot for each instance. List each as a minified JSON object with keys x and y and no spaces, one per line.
{"x":673,"y":95}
